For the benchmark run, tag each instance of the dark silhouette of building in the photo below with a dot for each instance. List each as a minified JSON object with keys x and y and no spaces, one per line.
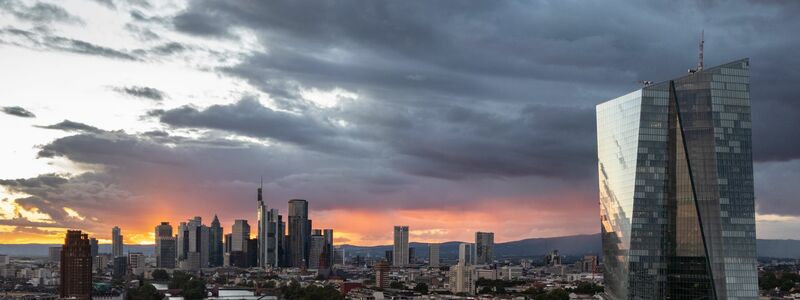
{"x":299,"y":233}
{"x":215,"y":243}
{"x":120,"y":267}
{"x":76,"y":266}
{"x":252,"y":252}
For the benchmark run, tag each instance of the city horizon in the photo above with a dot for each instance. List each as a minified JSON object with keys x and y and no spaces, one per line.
{"x":154,"y":117}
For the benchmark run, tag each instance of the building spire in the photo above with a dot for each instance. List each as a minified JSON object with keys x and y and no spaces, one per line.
{"x":700,"y":60}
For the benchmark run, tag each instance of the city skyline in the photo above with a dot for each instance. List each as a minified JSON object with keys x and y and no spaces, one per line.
{"x":480,"y":119}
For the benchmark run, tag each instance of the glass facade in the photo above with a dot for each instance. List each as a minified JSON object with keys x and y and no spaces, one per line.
{"x":676,"y":188}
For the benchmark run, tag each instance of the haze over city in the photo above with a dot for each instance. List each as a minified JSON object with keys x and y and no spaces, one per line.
{"x":449,"y":117}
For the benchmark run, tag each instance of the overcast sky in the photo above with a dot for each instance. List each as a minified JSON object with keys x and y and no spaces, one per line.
{"x":447,"y":116}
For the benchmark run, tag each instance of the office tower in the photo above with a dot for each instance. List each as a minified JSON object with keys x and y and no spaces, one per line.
{"x":400,"y":248}
{"x":120,"y":267}
{"x":339,"y":257}
{"x":136,"y":261}
{"x":327,"y":258}
{"x":433,"y":255}
{"x":589,"y":264}
{"x":227,"y":246}
{"x":183,"y":240}
{"x":676,"y":188}
{"x":240,"y":235}
{"x":76,"y":266}
{"x":484,"y":247}
{"x":316,"y":249}
{"x":100,"y":263}
{"x":462,"y":278}
{"x":274,"y":240}
{"x":467,"y":253}
{"x":166,"y":253}
{"x":215,"y":233}
{"x":382,"y":274}
{"x":412,"y":255}
{"x":252,"y":252}
{"x":5,"y":259}
{"x":265,"y":243}
{"x":299,"y":232}
{"x":198,"y":244}
{"x":553,"y":258}
{"x":54,"y":253}
{"x":94,"y":246}
{"x":163,"y":232}
{"x":389,"y":255}
{"x":116,"y":242}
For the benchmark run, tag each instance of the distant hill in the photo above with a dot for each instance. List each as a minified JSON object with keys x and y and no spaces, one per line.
{"x":575,"y":245}
{"x":34,"y":250}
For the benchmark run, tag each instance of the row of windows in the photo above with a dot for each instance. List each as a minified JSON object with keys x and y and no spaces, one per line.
{"x":728,"y":78}
{"x":734,"y":72}
{"x":730,"y":94}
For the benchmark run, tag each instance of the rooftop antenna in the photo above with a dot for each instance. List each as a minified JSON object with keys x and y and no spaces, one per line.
{"x":700,"y":58}
{"x":702,"y":41}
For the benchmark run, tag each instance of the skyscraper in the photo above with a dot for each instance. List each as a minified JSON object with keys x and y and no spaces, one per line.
{"x":76,"y":266}
{"x":382,"y":274}
{"x":433,"y":255}
{"x":316,"y":249}
{"x":467,"y":253}
{"x":183,"y":241}
{"x":263,"y":230}
{"x":400,"y":248}
{"x":327,"y":252}
{"x":276,"y":231}
{"x":484,"y":247}
{"x":165,"y":246}
{"x":240,"y":237}
{"x":676,"y":188}
{"x":198,"y":255}
{"x":116,"y":242}
{"x":215,"y":233}
{"x":95,"y":246}
{"x":299,"y":232}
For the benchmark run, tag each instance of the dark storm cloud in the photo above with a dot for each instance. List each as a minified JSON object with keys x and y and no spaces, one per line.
{"x":43,"y":180}
{"x":39,"y":12}
{"x":18,"y":111}
{"x":248,"y":117}
{"x":503,"y":55}
{"x":107,"y":3}
{"x":142,"y":92}
{"x":68,"y":125}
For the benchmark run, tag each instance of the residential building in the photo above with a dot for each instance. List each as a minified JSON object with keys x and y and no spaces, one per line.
{"x":76,"y":266}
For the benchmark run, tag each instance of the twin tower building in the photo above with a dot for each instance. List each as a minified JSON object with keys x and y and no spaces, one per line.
{"x":199,"y":246}
{"x":676,"y":188}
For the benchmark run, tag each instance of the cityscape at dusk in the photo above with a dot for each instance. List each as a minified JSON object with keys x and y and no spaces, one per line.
{"x":356,"y":144}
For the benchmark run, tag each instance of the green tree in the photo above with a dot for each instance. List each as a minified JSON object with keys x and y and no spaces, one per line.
{"x":554,"y":294}
{"x":195,"y":289}
{"x":421,"y":288}
{"x":397,"y":285}
{"x":160,"y":275}
{"x":146,"y":292}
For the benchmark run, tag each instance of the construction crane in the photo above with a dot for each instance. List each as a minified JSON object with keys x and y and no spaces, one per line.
{"x":700,"y":58}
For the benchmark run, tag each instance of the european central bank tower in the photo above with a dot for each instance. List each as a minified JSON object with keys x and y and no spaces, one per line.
{"x":676,"y":188}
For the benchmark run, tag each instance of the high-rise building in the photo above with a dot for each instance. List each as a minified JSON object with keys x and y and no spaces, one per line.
{"x":462,"y":278}
{"x":116,"y":242}
{"x":299,"y":232}
{"x":484,"y":247}
{"x":316,"y":249}
{"x":400,"y":248}
{"x":215,"y":235}
{"x":326,"y":261}
{"x":183,"y":241}
{"x":590,"y":263}
{"x":467,"y":253}
{"x":265,"y":243}
{"x":276,"y":232}
{"x":165,"y":254}
{"x":676,"y":188}
{"x":120,"y":268}
{"x":382,"y":274}
{"x":433,"y":255}
{"x":54,"y":253}
{"x":94,"y":246}
{"x":76,"y":266}
{"x":136,"y":262}
{"x":198,"y":255}
{"x":553,"y":258}
{"x":240,"y":233}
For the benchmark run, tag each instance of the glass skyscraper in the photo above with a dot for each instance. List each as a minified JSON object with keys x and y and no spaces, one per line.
{"x":676,"y":188}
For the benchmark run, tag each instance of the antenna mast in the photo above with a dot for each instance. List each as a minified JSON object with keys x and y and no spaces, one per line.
{"x":702,"y":41}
